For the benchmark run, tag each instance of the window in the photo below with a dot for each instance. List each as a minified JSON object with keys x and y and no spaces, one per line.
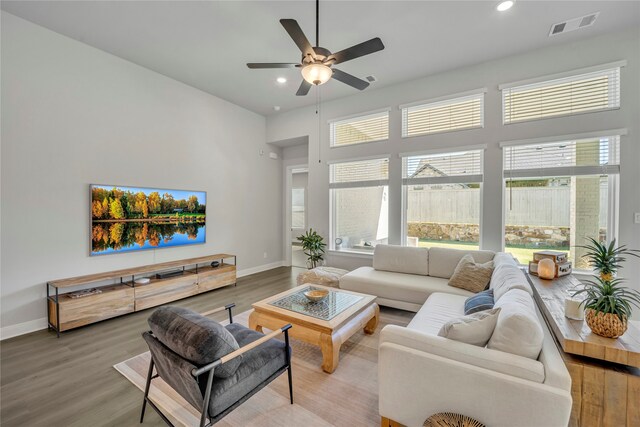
{"x":465,"y":112}
{"x":442,"y":199}
{"x":297,"y":208}
{"x":559,"y":193}
{"x":582,"y":93}
{"x":359,"y":204}
{"x":357,"y":130}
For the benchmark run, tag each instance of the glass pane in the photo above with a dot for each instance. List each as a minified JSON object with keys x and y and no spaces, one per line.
{"x":361,"y":218}
{"x":335,"y":303}
{"x":453,"y":114}
{"x":443,"y":215}
{"x":297,"y":208}
{"x":578,"y":94}
{"x":556,"y":214}
{"x":372,"y":127}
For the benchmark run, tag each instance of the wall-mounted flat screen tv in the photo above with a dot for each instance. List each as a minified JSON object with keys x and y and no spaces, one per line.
{"x":127,"y":219}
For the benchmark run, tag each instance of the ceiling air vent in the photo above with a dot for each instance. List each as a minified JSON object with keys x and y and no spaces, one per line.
{"x":371,"y":79}
{"x":573,"y":24}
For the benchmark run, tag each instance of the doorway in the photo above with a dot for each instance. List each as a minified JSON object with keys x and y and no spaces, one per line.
{"x":296,"y":217}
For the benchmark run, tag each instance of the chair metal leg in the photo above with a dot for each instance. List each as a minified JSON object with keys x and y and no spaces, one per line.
{"x":288,"y":353}
{"x":207,"y":398}
{"x":146,"y":391}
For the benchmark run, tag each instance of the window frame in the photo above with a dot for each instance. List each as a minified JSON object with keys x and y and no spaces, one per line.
{"x":443,"y":100}
{"x":563,"y":76}
{"x":364,"y":114}
{"x":613,"y":203}
{"x":332,"y":203}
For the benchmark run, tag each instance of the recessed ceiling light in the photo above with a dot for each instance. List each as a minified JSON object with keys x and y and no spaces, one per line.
{"x":281,"y":80}
{"x":505,"y":5}
{"x":276,"y":108}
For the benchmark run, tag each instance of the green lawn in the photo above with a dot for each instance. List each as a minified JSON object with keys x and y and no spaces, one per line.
{"x":523,"y":255}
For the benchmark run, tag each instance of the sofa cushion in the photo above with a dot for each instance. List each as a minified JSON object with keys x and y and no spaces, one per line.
{"x":438,"y":310}
{"x":474,"y":329}
{"x":194,"y":337}
{"x":443,"y":261}
{"x":411,"y":288}
{"x":479,"y":302}
{"x":504,"y":258}
{"x":401,"y":259}
{"x":506,"y":277}
{"x":471,"y":276}
{"x":518,"y":330}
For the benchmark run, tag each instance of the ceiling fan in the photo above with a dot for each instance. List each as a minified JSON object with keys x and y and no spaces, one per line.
{"x":317,"y":62}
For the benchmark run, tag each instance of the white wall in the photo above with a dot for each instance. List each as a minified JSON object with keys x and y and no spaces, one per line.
{"x":74,"y":115}
{"x":589,"y":52}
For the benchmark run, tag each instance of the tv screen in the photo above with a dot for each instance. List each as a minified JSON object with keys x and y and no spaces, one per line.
{"x":126,"y":219}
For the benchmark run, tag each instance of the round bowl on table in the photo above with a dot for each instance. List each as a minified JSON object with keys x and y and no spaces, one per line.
{"x":316,"y":295}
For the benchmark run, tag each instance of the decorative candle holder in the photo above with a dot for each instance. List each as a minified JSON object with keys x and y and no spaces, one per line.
{"x":546,"y":269}
{"x":573,"y":309}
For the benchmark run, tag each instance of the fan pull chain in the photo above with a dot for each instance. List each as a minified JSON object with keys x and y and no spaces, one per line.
{"x":318,"y":113}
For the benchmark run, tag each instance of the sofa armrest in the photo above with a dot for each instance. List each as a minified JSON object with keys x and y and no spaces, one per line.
{"x":414,"y":384}
{"x":494,"y":360}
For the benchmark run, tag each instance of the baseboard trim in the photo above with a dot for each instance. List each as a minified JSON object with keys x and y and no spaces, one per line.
{"x":11,"y":331}
{"x":259,"y":269}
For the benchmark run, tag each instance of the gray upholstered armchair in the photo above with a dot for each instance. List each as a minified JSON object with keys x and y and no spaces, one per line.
{"x":213,"y":367}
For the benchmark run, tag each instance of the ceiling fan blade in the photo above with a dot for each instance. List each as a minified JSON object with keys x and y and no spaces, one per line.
{"x":347,"y":78}
{"x":353,"y":52}
{"x":295,"y":32}
{"x":271,"y":65}
{"x":304,"y":88}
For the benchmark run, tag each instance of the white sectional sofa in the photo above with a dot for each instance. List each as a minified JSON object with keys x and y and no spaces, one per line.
{"x":421,"y":373}
{"x":404,"y":277}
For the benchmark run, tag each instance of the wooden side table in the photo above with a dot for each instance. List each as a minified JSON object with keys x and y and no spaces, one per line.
{"x":605,"y":372}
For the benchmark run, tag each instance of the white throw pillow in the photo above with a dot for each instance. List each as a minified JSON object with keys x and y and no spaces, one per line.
{"x":474,"y":329}
{"x":518,"y":330}
{"x":506,"y":277}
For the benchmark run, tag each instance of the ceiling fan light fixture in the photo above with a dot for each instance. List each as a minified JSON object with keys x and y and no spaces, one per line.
{"x":316,"y":73}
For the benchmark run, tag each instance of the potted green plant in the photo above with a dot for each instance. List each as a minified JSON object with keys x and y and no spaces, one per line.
{"x":608,"y":306}
{"x":607,"y":259}
{"x":607,"y":303}
{"x":313,"y":247}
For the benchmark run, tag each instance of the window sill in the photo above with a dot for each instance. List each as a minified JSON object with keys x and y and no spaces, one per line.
{"x":351,"y":253}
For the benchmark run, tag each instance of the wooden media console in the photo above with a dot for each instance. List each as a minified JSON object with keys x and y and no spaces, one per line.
{"x":67,"y":311}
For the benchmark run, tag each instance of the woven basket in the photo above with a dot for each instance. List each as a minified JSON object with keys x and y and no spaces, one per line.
{"x":449,"y":419}
{"x":606,"y":325}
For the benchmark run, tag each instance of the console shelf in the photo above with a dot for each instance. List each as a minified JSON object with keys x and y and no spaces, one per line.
{"x":64,"y":312}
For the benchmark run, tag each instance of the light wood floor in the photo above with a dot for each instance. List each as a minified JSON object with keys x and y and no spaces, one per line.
{"x":71,"y":382}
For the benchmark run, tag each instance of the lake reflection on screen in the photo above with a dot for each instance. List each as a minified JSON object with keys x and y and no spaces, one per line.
{"x":110,"y":237}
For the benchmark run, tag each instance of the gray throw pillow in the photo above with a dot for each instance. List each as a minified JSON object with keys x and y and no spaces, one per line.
{"x":471,"y":276}
{"x":195,"y":338}
{"x":474,"y":329}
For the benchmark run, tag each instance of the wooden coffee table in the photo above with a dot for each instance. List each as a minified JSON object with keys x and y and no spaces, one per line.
{"x":327,"y":324}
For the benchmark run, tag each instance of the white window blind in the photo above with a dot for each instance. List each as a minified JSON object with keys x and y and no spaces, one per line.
{"x":460,"y":113}
{"x":461,"y":167}
{"x":583,"y":93}
{"x":357,"y":130}
{"x":361,"y":173}
{"x":594,"y":156}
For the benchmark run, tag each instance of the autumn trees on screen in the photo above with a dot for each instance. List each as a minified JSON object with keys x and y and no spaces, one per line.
{"x":117,"y":204}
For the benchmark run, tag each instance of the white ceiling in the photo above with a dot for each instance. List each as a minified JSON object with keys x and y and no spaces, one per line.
{"x":206,"y":44}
